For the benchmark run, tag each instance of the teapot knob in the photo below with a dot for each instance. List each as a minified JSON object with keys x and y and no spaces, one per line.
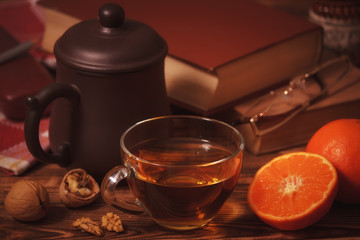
{"x":111,"y":15}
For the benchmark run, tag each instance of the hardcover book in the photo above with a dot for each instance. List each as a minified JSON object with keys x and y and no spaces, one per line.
{"x":221,"y":52}
{"x":20,"y":76}
{"x":342,"y":101}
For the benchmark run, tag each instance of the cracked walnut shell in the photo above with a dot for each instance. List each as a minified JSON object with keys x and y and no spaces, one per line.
{"x":78,"y":188}
{"x":27,"y":201}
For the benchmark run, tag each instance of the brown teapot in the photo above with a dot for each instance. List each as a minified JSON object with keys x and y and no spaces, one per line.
{"x":110,"y":75}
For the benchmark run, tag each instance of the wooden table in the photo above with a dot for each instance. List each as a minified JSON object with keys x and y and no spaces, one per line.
{"x":234,"y":221}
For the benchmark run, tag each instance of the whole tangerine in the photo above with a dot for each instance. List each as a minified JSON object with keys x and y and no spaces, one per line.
{"x":339,"y":142}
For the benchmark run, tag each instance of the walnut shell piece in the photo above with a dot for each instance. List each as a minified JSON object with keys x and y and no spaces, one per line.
{"x":27,"y":201}
{"x":78,"y":188}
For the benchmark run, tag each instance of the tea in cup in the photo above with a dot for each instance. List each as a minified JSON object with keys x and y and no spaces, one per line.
{"x":181,"y":169}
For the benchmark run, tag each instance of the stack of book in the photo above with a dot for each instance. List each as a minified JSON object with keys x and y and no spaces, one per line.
{"x":221,"y":53}
{"x":342,"y":101}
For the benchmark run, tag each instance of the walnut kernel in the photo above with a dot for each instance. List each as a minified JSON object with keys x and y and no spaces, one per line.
{"x":86,"y":224}
{"x":112,"y":222}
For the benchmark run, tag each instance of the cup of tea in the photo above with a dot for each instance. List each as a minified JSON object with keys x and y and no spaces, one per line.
{"x":181,"y":169}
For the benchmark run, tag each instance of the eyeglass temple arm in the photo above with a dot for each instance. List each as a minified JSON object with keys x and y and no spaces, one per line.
{"x":328,"y":63}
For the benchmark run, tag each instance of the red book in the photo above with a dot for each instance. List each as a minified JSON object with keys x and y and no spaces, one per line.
{"x":220,"y":51}
{"x":20,"y":77}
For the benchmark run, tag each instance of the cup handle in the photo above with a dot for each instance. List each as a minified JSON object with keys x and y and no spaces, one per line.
{"x":37,"y":105}
{"x":108,"y":187}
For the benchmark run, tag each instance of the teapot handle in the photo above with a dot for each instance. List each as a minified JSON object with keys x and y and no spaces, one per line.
{"x":36,"y":106}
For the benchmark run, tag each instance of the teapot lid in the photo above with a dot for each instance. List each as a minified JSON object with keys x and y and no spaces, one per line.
{"x":110,"y":43}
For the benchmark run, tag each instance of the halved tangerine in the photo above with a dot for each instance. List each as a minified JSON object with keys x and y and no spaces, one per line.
{"x":294,"y":190}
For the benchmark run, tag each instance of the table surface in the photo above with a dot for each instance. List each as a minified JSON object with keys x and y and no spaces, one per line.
{"x":234,"y":221}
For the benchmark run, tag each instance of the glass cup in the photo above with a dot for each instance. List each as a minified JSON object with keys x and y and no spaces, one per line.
{"x":181,"y":169}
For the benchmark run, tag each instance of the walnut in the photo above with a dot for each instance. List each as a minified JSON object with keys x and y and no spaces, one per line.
{"x":27,"y":201}
{"x":86,"y":224}
{"x":78,"y":188}
{"x":112,"y":222}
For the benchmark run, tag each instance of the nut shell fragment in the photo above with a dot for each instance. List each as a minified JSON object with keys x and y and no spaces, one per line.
{"x":78,"y":188}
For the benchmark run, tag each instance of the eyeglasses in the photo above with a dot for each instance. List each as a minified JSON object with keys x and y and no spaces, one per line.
{"x":301,"y":92}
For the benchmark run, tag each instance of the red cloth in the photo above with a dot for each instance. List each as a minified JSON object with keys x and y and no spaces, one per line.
{"x":15,"y":158}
